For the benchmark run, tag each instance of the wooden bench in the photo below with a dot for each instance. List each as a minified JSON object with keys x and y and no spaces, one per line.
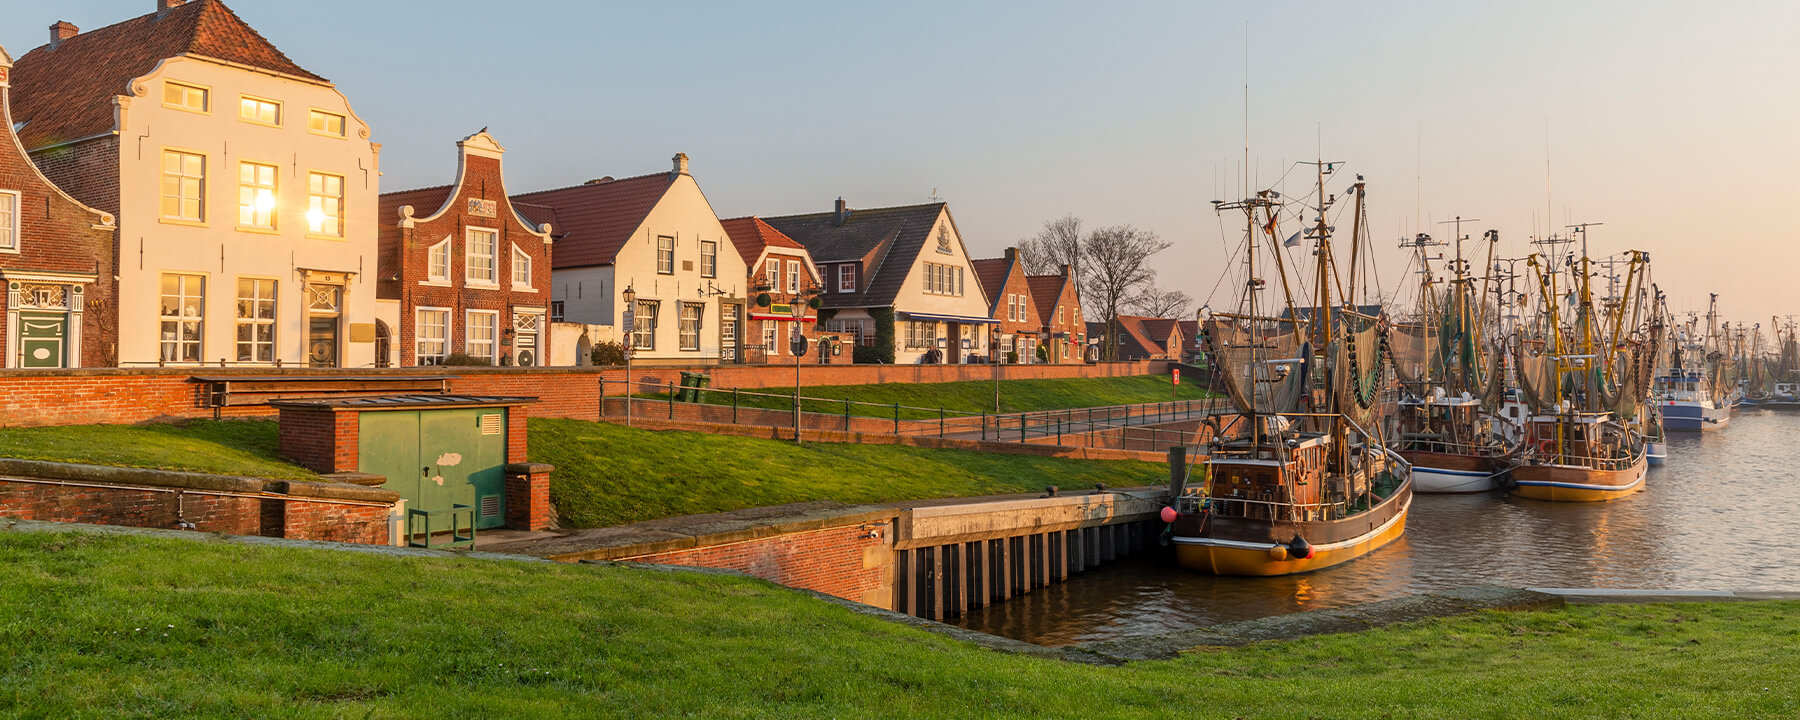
{"x":241,"y":390}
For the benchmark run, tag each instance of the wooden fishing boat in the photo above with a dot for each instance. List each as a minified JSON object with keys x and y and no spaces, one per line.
{"x":1580,"y":457}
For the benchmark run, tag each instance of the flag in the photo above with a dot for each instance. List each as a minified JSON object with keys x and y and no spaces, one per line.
{"x":1292,"y":241}
{"x":1269,"y":227}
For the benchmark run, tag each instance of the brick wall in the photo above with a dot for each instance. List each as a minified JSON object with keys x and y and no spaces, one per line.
{"x":841,"y":561}
{"x":321,"y":439}
{"x":528,"y":496}
{"x":319,"y":519}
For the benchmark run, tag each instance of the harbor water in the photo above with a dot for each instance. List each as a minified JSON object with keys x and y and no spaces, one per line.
{"x":1718,"y":516}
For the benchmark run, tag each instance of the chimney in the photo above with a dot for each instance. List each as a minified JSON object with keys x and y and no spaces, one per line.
{"x":1012,"y":256}
{"x":1065,"y":270}
{"x":163,"y":6}
{"x":841,"y":214}
{"x":680,"y":164}
{"x":61,"y":31}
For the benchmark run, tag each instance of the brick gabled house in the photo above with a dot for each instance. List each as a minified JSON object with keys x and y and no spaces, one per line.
{"x":462,"y":271}
{"x":56,"y":260}
{"x":1058,"y":301}
{"x":781,"y":268}
{"x":243,"y":184}
{"x":1010,"y":305}
{"x":1141,"y":338}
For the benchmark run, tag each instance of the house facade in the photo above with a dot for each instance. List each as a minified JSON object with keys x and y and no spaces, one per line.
{"x":244,"y":186}
{"x":657,"y":237}
{"x":781,"y":270}
{"x":1018,"y":324}
{"x":897,"y":278}
{"x":462,"y":273}
{"x":1139,"y":338}
{"x":1064,"y":331}
{"x":56,"y":261}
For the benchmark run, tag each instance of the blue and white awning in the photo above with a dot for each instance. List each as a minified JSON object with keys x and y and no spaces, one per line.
{"x":928,"y":317}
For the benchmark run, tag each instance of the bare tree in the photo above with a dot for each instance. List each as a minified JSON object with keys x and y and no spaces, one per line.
{"x":1157,"y":302}
{"x":1056,"y":245}
{"x":1115,"y":268}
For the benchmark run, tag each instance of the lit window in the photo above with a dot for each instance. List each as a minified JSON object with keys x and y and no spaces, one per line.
{"x":182,"y":311}
{"x":665,"y":255}
{"x":325,"y":123}
{"x":521,"y":268}
{"x":255,"y":320}
{"x":187,"y":97}
{"x":480,"y":261}
{"x":437,"y":262}
{"x":9,"y":221}
{"x":325,"y":204}
{"x":432,"y":343}
{"x":793,"y":276}
{"x":690,"y":325}
{"x":709,"y":258}
{"x":643,"y":329}
{"x":772,"y":275}
{"x":184,"y":186}
{"x":256,"y":195}
{"x":846,"y":278}
{"x":483,"y":326}
{"x":258,"y":110}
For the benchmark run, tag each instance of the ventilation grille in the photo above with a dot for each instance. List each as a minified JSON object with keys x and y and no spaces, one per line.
{"x":490,"y":424}
{"x":490,"y":506}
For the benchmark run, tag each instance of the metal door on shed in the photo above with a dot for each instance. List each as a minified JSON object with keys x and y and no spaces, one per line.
{"x":439,"y":458}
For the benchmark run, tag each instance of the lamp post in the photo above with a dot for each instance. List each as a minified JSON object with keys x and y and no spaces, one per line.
{"x":994,"y":357}
{"x":798,"y":345}
{"x":630,"y":296}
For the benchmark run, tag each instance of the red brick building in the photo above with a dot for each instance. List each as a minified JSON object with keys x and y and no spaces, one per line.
{"x":1009,"y":302}
{"x":462,"y":272}
{"x":781,"y":268}
{"x":56,"y":259}
{"x":1058,"y":302}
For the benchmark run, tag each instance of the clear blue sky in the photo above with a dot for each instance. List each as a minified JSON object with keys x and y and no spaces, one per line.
{"x":1672,"y":123}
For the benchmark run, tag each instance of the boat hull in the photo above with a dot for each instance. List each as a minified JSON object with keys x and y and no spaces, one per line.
{"x":1568,"y":483}
{"x":1238,"y":546}
{"x":1448,"y":473}
{"x":1655,"y":453}
{"x":1694,"y":417}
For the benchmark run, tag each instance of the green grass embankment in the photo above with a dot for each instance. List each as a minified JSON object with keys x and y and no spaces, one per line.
{"x":964,"y":397}
{"x":128,"y":627}
{"x":609,"y":474}
{"x":232,"y":447}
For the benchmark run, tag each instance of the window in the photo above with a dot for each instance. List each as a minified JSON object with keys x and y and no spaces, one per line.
{"x":9,"y":221}
{"x":480,"y":260}
{"x":184,"y":186}
{"x":690,"y":325}
{"x":853,"y":328}
{"x":183,"y":307}
{"x":521,"y":269}
{"x":921,"y":335}
{"x":556,"y":311}
{"x":187,"y":97}
{"x":325,"y":204}
{"x":793,"y":276}
{"x":255,"y":320}
{"x":258,"y":110}
{"x":771,"y":337}
{"x":433,"y":341}
{"x":643,"y":332}
{"x":846,"y":278}
{"x":709,"y":258}
{"x":772,"y":275}
{"x":665,"y":255}
{"x":324,"y":123}
{"x":1059,"y":315}
{"x":437,"y":262}
{"x":943,"y":279}
{"x":481,"y":330}
{"x":256,"y":195}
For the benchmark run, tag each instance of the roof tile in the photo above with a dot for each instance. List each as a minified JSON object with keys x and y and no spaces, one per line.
{"x":597,"y":218}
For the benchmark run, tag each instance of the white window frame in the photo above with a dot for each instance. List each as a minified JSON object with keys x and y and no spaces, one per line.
{"x":521,"y":261}
{"x":436,"y":255}
{"x":793,"y":275}
{"x":665,"y":255}
{"x":205,"y":97}
{"x":245,"y":102}
{"x":182,"y":179}
{"x":322,"y":206}
{"x":342,"y":123}
{"x":772,"y":274}
{"x":557,"y":308}
{"x":470,"y":256}
{"x":846,"y":278}
{"x":643,"y":331}
{"x":709,"y":258}
{"x":771,"y":337}
{"x":492,"y":352}
{"x":179,"y":319}
{"x":269,"y":324}
{"x":10,"y":236}
{"x":255,"y":186}
{"x":420,"y":357}
{"x":688,"y":338}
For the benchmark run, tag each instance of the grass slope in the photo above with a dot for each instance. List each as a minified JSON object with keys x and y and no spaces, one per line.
{"x":609,"y":474}
{"x":232,"y":447}
{"x":108,"y":626}
{"x":973,"y":396}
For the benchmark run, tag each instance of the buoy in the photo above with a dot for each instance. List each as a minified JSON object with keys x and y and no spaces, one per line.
{"x":1300,"y":548}
{"x":1278,"y":553}
{"x":1169,"y":514}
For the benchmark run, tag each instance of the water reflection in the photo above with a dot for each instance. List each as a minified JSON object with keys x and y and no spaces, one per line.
{"x":1712,"y":518}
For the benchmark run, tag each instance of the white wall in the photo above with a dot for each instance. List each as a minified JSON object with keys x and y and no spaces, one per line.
{"x":685,"y":215}
{"x":568,"y":341}
{"x":913,"y":298}
{"x":217,"y":249}
{"x":586,"y":294}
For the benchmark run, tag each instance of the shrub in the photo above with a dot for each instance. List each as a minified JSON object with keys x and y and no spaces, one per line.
{"x":867,"y":354}
{"x":465,"y":359}
{"x":609,"y":353}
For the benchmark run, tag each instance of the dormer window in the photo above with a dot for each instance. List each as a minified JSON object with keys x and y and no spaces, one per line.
{"x":846,"y":278}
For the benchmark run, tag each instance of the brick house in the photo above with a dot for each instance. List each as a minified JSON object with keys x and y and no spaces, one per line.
{"x":461,"y":270}
{"x":1064,"y":330}
{"x":782,"y":269}
{"x":56,"y":259}
{"x":1010,"y":305}
{"x":1141,"y":338}
{"x":243,"y":184}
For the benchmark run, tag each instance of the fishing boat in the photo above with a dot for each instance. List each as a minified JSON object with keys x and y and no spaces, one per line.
{"x":1307,"y":481}
{"x":1694,"y":395}
{"x":1784,"y":374}
{"x":1580,"y":445}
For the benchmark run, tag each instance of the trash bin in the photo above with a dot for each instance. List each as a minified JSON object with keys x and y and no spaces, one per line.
{"x":691,"y":383}
{"x":702,"y":381}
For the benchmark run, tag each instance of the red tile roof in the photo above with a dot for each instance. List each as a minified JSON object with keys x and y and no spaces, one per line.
{"x":992,"y":273}
{"x":66,"y":93}
{"x":424,"y":202}
{"x":1046,"y":290}
{"x":597,"y":218}
{"x":751,"y":235}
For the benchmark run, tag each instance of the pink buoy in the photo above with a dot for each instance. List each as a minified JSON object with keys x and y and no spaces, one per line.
{"x":1169,"y":514}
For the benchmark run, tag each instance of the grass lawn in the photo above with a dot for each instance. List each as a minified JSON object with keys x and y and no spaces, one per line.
{"x":109,"y":626}
{"x":230,"y":447}
{"x":969,"y":397}
{"x":610,"y":474}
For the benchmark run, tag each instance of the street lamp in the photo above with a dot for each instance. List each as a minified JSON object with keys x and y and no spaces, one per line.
{"x":994,"y":357}
{"x":630,"y":296}
{"x":798,"y":345}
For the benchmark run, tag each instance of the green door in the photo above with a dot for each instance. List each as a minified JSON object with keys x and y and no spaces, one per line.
{"x":43,"y":339}
{"x":440,"y":458}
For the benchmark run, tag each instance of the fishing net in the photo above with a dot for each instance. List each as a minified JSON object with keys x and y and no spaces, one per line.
{"x":1261,"y":375}
{"x":1409,"y":347}
{"x":1359,"y":370}
{"x":1535,"y":373}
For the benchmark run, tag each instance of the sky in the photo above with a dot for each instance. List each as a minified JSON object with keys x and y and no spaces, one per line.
{"x":1672,"y":123}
